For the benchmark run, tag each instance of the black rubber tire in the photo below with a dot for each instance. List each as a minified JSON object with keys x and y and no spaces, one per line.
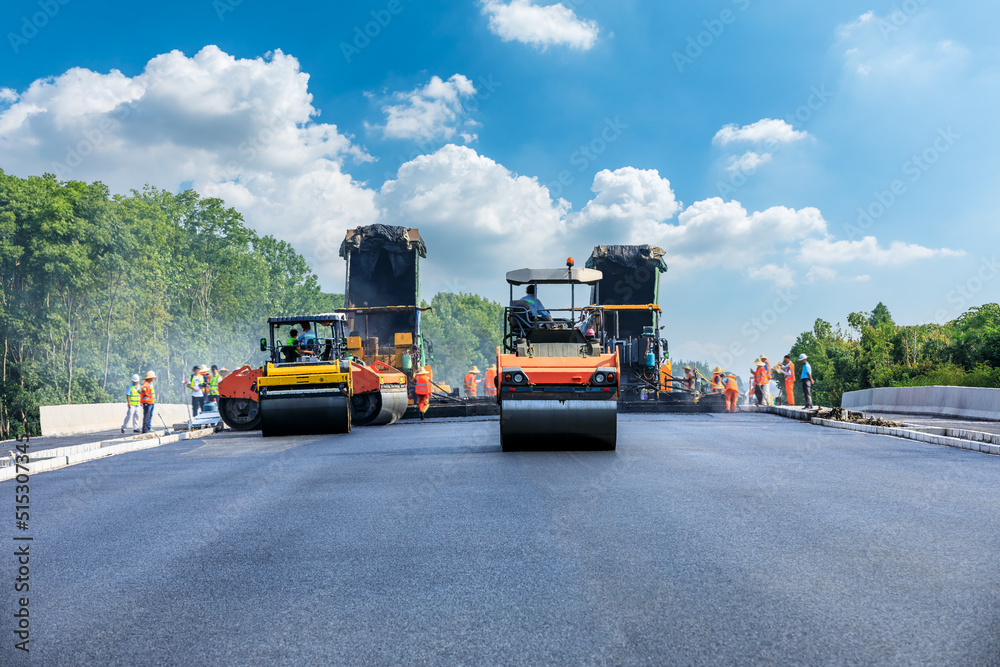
{"x":240,"y":414}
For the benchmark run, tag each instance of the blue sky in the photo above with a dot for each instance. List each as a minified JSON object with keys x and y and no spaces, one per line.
{"x":745,"y":138}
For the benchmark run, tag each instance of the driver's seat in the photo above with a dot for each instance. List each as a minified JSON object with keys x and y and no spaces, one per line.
{"x":520,"y":318}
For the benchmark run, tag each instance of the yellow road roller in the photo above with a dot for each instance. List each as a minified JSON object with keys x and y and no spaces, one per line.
{"x":306,"y":386}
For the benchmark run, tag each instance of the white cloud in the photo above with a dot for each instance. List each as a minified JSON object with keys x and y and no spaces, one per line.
{"x":748,"y":162}
{"x":629,"y":196}
{"x":540,"y":26}
{"x":820,"y":273}
{"x":767,"y":129}
{"x":825,"y":251}
{"x":781,"y":276}
{"x":241,"y":129}
{"x":430,"y":112}
{"x":8,"y":95}
{"x":479,"y":218}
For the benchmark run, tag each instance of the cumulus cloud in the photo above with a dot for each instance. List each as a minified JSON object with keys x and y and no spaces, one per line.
{"x":748,"y":162}
{"x":433,"y":111}
{"x":826,"y":251}
{"x":629,"y":196}
{"x":767,"y":129}
{"x":476,"y":215}
{"x":540,"y":26}
{"x":240,"y":129}
{"x":781,"y":276}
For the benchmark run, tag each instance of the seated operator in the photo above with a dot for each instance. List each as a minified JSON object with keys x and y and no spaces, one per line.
{"x":538,"y":311}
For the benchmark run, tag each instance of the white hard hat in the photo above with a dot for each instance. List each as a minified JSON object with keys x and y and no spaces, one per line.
{"x":135,"y":378}
{"x":803,"y":357}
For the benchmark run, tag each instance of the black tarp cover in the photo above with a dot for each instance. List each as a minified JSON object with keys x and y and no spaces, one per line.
{"x":631,"y":273}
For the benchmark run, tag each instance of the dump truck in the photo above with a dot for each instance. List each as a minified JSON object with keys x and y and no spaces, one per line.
{"x":382,"y":298}
{"x":557,"y":383}
{"x":377,"y":394}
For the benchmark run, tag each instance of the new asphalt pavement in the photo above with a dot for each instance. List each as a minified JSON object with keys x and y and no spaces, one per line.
{"x":704,"y":539}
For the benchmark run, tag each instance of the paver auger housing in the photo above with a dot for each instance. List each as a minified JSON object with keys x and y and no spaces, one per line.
{"x":557,"y":385}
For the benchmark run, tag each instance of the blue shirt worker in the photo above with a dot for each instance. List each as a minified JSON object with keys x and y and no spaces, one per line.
{"x":538,"y":311}
{"x":306,"y":339}
{"x":807,"y":380}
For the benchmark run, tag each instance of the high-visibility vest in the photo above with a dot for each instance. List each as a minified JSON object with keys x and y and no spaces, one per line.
{"x":489,"y":383}
{"x":761,"y":375}
{"x":423,"y":385}
{"x":132,"y":394}
{"x":470,"y":383}
{"x":731,"y":384}
{"x":790,"y":378}
{"x":147,"y":394}
{"x":213,"y":385}
{"x":717,"y":381}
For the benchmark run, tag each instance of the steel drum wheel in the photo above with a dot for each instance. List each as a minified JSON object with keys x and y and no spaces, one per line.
{"x":240,"y":414}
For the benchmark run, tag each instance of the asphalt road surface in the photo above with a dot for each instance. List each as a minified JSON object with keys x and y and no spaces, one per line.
{"x":708,"y":539}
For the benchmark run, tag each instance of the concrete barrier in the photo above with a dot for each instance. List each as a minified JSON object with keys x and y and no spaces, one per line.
{"x":96,"y":417}
{"x":974,"y":402}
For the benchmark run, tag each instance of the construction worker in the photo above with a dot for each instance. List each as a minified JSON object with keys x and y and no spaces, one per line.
{"x":194,"y":387}
{"x":690,"y":378}
{"x":307,"y":340}
{"x":759,"y":380}
{"x":807,"y":380}
{"x":732,"y":392}
{"x":147,"y":397}
{"x":538,"y":311}
{"x":788,"y":370}
{"x":422,"y":390}
{"x":718,"y":380}
{"x":490,"y":381}
{"x":134,"y":406}
{"x":471,"y":381}
{"x":213,"y":384}
{"x":767,"y":382}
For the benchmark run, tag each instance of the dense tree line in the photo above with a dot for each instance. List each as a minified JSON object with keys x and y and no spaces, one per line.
{"x":876,"y":352}
{"x":466,"y":330}
{"x":97,"y":287}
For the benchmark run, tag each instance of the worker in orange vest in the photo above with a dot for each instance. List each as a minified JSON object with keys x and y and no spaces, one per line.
{"x":147,"y":396}
{"x":760,"y":378}
{"x":470,"y":382}
{"x":718,"y":380}
{"x":423,"y":391}
{"x":489,"y":380}
{"x":732,"y":392}
{"x":788,"y":369}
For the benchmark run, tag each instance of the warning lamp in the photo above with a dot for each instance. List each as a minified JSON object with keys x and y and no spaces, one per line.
{"x":569,"y":262}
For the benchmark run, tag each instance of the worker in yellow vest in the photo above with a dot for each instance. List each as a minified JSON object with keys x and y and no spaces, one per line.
{"x":490,"y":381}
{"x":423,"y":390}
{"x":213,"y":385}
{"x":134,"y":407}
{"x":470,"y":382}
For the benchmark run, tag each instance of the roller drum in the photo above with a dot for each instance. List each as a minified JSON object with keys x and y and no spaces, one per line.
{"x":379,"y":408}
{"x":554,"y":424}
{"x":301,"y":413}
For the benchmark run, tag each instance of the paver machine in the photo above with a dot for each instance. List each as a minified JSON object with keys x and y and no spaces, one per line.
{"x":303,"y":388}
{"x":557,"y":382}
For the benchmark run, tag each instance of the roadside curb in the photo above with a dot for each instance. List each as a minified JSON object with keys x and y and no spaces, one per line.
{"x":975,"y":441}
{"x":60,"y":457}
